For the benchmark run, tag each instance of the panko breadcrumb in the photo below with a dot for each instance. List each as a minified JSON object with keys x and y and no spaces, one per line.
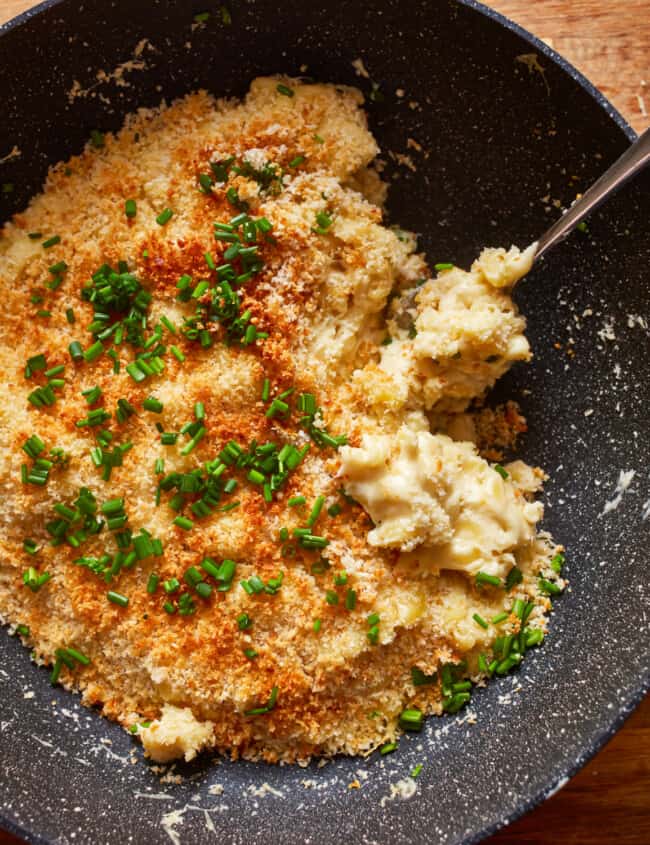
{"x":350,"y":628}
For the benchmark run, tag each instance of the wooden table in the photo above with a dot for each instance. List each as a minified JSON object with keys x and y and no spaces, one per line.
{"x":609,"y":800}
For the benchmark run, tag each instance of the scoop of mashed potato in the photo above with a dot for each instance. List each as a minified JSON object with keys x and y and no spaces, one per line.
{"x":465,"y":332}
{"x":437,"y":498}
{"x":177,"y":733}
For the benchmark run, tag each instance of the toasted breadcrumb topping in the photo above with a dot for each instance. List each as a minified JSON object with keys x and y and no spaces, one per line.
{"x":324,"y":658}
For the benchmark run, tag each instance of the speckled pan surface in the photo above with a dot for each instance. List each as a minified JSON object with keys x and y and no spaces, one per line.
{"x":506,"y":144}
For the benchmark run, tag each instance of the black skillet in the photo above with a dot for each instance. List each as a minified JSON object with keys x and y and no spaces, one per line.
{"x":504,"y":139}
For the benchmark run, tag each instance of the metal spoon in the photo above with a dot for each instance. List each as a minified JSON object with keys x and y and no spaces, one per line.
{"x":631,"y":162}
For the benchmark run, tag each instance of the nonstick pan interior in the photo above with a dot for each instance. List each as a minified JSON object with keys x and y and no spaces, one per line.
{"x":508,"y":134}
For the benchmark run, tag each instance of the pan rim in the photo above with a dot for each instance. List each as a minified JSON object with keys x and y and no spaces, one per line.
{"x":625,"y":710}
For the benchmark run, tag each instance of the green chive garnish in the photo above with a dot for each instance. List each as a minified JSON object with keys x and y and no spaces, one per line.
{"x":153,"y":404}
{"x":388,"y":748}
{"x":164,"y":217}
{"x":117,"y":598}
{"x":484,"y":578}
{"x":315,"y":511}
{"x":411,"y":719}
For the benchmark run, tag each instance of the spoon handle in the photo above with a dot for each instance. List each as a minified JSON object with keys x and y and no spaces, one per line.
{"x":633,"y":159}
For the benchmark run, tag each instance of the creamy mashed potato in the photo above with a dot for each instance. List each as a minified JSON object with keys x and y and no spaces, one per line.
{"x":228,"y":519}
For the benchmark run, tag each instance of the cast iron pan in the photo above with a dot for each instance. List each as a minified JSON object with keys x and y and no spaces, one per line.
{"x":505,"y":141}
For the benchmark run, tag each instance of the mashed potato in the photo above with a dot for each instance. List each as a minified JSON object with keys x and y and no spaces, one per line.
{"x":227,"y":519}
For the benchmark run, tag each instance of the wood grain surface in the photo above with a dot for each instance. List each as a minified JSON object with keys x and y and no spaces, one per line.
{"x":609,"y":800}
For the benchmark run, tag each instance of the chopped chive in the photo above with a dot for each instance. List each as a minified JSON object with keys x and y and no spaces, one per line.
{"x":480,"y":621}
{"x":93,"y":394}
{"x":117,"y":598}
{"x":411,"y":719}
{"x":296,"y":500}
{"x":35,"y":364}
{"x":297,"y":161}
{"x":502,"y":472}
{"x":56,"y":671}
{"x":420,"y":678}
{"x":172,"y":585}
{"x":244,"y":621}
{"x":388,"y":748}
{"x":130,"y":208}
{"x":453,"y":703}
{"x":315,"y":511}
{"x":167,"y":323}
{"x":443,"y":266}
{"x":250,"y":653}
{"x":189,"y":447}
{"x":557,"y":562}
{"x":515,"y":576}
{"x":30,"y":546}
{"x":136,"y":373}
{"x":334,"y":510}
{"x":176,"y":352}
{"x":373,"y":635}
{"x":272,"y":700}
{"x":266,"y":389}
{"x":79,"y":656}
{"x":33,"y":446}
{"x":500,"y":617}
{"x":53,"y":241}
{"x":192,"y":576}
{"x":152,"y":583}
{"x":58,"y":268}
{"x":350,"y":599}
{"x":285,"y":90}
{"x":317,"y":625}
{"x":549,"y":587}
{"x":164,"y":217}
{"x":184,"y":523}
{"x":153,"y":404}
{"x":518,"y":608}
{"x":200,"y":289}
{"x":93,"y":352}
{"x":484,"y":578}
